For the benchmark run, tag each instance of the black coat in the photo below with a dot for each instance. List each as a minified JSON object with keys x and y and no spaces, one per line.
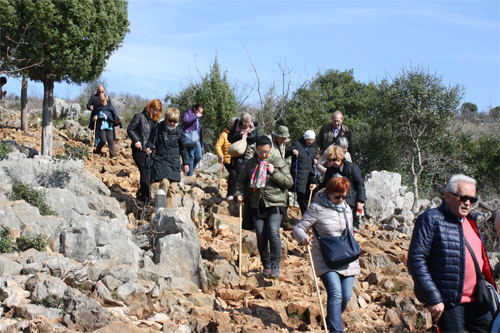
{"x":234,"y":136}
{"x":140,"y":127}
{"x":110,"y":112}
{"x":94,"y":100}
{"x":352,"y":172}
{"x":306,"y":173}
{"x":168,"y":149}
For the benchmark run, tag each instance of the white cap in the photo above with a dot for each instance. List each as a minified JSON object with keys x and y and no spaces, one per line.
{"x":309,"y":134}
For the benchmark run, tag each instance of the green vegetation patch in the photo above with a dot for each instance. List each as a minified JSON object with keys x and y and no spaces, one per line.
{"x":32,"y":196}
{"x":5,"y":148}
{"x":6,"y":243}
{"x":37,"y":242}
{"x":76,"y":152}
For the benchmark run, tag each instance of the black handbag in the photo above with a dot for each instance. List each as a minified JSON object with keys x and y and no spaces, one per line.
{"x":487,"y":296}
{"x":338,"y":251}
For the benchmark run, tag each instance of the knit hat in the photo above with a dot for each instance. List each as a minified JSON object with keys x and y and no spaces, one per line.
{"x":282,"y":132}
{"x":309,"y":134}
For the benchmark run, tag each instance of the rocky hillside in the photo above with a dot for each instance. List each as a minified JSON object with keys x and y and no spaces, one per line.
{"x":110,"y":265}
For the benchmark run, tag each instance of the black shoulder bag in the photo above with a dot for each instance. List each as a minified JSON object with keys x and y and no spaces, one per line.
{"x":487,"y":297}
{"x":338,"y":251}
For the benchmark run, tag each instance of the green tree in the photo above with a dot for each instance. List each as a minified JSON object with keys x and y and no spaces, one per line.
{"x":417,"y":108}
{"x":72,"y":39}
{"x":495,"y":112}
{"x":468,"y":107}
{"x":332,"y":90}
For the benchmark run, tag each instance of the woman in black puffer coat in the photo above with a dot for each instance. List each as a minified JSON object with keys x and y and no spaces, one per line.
{"x":303,"y":167}
{"x":166,"y":142}
{"x":138,"y":131}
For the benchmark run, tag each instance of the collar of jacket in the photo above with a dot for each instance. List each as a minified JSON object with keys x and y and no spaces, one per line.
{"x":448,"y":213}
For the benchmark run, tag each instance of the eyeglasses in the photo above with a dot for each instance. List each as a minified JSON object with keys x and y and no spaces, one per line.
{"x":263,"y":152}
{"x":464,"y":198}
{"x":336,"y":196}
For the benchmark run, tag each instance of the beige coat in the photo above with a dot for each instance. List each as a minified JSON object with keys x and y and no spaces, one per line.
{"x":328,"y":222}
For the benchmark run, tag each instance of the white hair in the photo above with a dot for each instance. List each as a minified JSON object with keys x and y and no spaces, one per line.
{"x":246,"y":116}
{"x":336,"y":113}
{"x":342,"y":142}
{"x":455,"y":179}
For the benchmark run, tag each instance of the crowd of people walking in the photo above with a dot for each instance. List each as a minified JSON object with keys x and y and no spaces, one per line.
{"x":447,"y":254}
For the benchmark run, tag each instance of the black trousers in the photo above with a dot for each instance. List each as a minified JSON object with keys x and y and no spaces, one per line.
{"x":231,"y":181}
{"x":106,"y":136}
{"x":465,"y":315}
{"x":140,"y":159}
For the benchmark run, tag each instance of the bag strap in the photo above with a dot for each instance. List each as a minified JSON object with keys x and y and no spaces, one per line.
{"x":479,"y":274}
{"x":303,"y":145}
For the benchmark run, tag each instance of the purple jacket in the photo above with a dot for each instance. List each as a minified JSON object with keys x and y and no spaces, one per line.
{"x":190,"y":124}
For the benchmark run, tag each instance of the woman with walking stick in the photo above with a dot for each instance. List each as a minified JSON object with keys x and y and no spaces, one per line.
{"x":138,"y":131}
{"x":330,"y":216}
{"x":263,"y":181}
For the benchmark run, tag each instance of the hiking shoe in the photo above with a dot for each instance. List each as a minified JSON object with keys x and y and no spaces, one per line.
{"x":275,"y":273}
{"x":288,"y":227}
{"x":267,"y":273}
{"x":355,"y":229}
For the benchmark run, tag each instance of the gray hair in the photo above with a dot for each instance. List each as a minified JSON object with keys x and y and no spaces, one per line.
{"x":342,"y":142}
{"x":455,"y":179}
{"x":246,"y":116}
{"x":336,"y":113}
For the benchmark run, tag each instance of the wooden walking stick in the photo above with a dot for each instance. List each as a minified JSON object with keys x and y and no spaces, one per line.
{"x":317,"y":287}
{"x":241,"y":232}
{"x":220,"y":176}
{"x":310,"y":197}
{"x":93,"y":141}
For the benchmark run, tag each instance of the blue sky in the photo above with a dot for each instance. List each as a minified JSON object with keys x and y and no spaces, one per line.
{"x":170,"y":40}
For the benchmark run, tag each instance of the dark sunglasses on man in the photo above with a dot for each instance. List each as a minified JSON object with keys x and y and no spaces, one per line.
{"x":464,"y":198}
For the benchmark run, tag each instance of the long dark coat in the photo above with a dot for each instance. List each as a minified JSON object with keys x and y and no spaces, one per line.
{"x":305,"y":165}
{"x":168,"y":150}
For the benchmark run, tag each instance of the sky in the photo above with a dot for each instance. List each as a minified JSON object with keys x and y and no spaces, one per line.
{"x":172,"y":42}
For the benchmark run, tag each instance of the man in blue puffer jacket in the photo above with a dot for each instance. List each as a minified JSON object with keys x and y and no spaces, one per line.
{"x":442,"y":267}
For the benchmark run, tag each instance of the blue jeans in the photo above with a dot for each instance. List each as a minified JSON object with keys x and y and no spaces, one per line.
{"x":268,"y":236}
{"x":194,"y":157}
{"x":338,"y":288}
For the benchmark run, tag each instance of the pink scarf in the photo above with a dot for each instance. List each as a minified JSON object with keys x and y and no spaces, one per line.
{"x":259,"y":174}
{"x":238,"y":128}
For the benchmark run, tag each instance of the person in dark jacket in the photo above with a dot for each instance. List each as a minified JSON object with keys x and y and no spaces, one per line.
{"x":166,"y":141}
{"x":106,"y":117}
{"x":441,"y":265}
{"x":302,"y":168}
{"x":329,"y":133}
{"x":264,"y":181}
{"x":339,"y":166}
{"x":246,"y":129}
{"x":138,"y":131}
{"x":193,"y":135}
{"x":93,"y":104}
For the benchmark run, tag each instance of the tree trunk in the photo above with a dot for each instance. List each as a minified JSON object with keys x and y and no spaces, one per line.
{"x":48,"y":104}
{"x":24,"y":105}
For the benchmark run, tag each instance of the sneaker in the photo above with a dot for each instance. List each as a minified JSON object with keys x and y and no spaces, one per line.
{"x":275,"y":273}
{"x":267,"y":273}
{"x":230,"y":198}
{"x":355,"y":229}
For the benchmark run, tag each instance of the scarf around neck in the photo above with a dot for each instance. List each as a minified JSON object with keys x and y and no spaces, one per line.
{"x":259,"y":174}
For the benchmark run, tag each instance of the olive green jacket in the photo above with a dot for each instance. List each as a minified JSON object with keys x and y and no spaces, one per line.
{"x":273,"y":194}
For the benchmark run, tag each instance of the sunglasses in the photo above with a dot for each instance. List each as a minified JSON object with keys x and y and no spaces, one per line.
{"x":464,"y":198}
{"x":333,"y":159}
{"x":336,"y":196}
